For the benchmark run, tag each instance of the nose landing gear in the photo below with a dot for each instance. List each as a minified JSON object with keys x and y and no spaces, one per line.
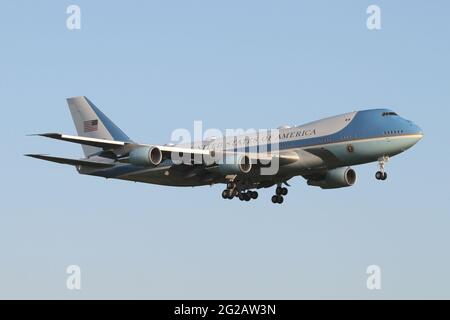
{"x":381,"y":174}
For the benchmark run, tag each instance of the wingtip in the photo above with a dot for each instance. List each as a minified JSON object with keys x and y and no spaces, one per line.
{"x":47,"y":135}
{"x":35,"y":155}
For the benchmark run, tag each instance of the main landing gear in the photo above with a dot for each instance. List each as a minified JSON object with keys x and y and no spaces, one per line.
{"x":279,"y":193}
{"x":381,"y":174}
{"x":247,"y":196}
{"x":231,"y":191}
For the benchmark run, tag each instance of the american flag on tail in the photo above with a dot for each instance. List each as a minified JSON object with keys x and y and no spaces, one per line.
{"x":90,"y":125}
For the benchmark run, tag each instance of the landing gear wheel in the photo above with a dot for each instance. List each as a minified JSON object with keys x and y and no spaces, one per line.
{"x":279,"y":191}
{"x":231,"y":185}
{"x":253,"y":194}
{"x":277,"y":199}
{"x":379,"y":175}
{"x":241,"y":196}
{"x":247,"y":197}
{"x":225,"y":194}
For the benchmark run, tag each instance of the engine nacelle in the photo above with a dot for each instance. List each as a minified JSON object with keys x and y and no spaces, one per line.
{"x":336,"y":178}
{"x":146,"y":156}
{"x":235,"y":165}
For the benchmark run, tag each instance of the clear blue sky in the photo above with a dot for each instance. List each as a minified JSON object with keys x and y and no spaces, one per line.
{"x":155,"y":66}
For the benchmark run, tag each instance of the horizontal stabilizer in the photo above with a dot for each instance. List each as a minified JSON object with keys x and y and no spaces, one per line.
{"x":74,"y":162}
{"x":100,"y":143}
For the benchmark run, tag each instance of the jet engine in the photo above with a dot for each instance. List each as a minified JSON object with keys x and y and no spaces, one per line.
{"x":146,"y":156}
{"x":335,"y":178}
{"x":235,"y":165}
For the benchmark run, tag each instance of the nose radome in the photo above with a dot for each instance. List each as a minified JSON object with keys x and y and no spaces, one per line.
{"x":419,"y":131}
{"x":415,"y":129}
{"x":415,"y":134}
{"x":418,"y":134}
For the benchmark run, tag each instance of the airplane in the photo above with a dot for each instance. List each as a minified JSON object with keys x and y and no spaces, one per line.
{"x":322,"y":152}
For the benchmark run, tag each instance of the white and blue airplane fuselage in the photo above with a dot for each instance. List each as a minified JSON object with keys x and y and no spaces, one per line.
{"x":321,"y":151}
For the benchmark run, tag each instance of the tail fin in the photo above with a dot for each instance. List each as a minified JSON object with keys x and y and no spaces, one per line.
{"x":91,"y":122}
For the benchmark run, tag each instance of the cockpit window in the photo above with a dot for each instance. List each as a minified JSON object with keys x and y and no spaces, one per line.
{"x":390,"y":113}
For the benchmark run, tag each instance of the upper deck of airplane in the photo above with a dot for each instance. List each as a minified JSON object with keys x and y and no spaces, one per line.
{"x":364,"y":124}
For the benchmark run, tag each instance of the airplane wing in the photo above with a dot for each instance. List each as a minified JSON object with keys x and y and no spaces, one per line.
{"x":114,"y":144}
{"x":124,"y":147}
{"x":101,"y":143}
{"x":74,"y":162}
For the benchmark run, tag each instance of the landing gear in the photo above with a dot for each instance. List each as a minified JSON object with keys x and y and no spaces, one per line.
{"x":225,"y":194}
{"x":247,"y":196}
{"x":237,"y":190}
{"x":253,"y":194}
{"x":232,"y":191}
{"x":277,"y":199}
{"x":231,"y":185}
{"x":279,"y":193}
{"x":381,"y":174}
{"x":228,"y":194}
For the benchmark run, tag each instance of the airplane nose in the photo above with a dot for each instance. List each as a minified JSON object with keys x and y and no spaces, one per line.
{"x":415,"y":134}
{"x":415,"y":130}
{"x":419,"y":131}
